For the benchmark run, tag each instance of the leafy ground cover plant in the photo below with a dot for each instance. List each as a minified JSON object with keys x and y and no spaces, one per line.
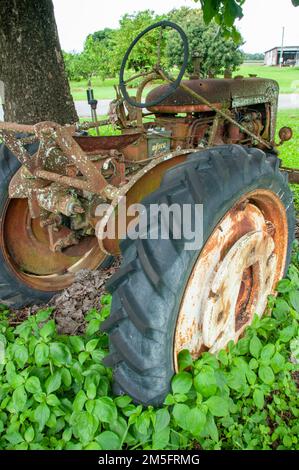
{"x":56,"y":394}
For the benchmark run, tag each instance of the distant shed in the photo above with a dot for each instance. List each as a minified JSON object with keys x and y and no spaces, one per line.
{"x":290,"y":56}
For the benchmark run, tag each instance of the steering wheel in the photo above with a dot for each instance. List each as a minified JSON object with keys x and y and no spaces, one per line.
{"x":156,"y":69}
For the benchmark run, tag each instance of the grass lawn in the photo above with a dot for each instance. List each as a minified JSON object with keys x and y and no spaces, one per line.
{"x":284,"y":76}
{"x":104,"y":90}
{"x":289,"y":151}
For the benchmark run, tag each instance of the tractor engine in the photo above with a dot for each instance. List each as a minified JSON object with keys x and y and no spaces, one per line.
{"x":181,"y":121}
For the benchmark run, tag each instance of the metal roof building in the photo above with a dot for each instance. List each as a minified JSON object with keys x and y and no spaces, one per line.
{"x":290,"y":56}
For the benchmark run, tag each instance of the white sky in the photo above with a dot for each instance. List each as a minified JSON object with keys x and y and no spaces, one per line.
{"x":261,"y":26}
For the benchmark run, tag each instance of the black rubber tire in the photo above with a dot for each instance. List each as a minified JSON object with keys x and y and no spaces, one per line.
{"x":13,"y":291}
{"x":149,"y":285}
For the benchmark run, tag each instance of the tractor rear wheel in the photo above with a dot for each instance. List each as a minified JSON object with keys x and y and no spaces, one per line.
{"x":30,"y":273}
{"x":167,"y":299}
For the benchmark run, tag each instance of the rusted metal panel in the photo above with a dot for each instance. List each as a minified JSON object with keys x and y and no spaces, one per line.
{"x":232,"y":92}
{"x":93,"y":145}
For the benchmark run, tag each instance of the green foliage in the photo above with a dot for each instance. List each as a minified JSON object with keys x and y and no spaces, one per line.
{"x":56,"y":394}
{"x":93,"y":60}
{"x":257,"y":56}
{"x":104,"y":50}
{"x":225,"y":12}
{"x":216,"y":51}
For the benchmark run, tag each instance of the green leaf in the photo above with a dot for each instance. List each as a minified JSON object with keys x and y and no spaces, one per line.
{"x":93,"y":327}
{"x":223,"y":357}
{"x":53,"y":382}
{"x":33,"y":385}
{"x":195,"y":421}
{"x":287,"y":333}
{"x":211,"y":427}
{"x":13,"y":437}
{"x":20,"y":354}
{"x":43,"y":315}
{"x":76,"y":371}
{"x":179,"y":413}
{"x":185,"y":359}
{"x":52,"y":400}
{"x":19,"y":398}
{"x":253,"y":364}
{"x":60,"y":354}
{"x":106,"y":299}
{"x":231,"y":12}
{"x":255,"y":347}
{"x":277,"y":362}
{"x":209,"y":10}
{"x":294,"y":299}
{"x":79,"y":401}
{"x":181,"y":383}
{"x":91,"y":345}
{"x":258,"y":398}
{"x":284,"y":286}
{"x":105,"y":410}
{"x":48,"y":330}
{"x":267,"y":353}
{"x":122,"y":401}
{"x":162,"y":419}
{"x":41,"y":415}
{"x":41,"y":354}
{"x":83,"y":427}
{"x":77,"y":343}
{"x":109,"y":441}
{"x":205,"y":382}
{"x":29,"y":434}
{"x":66,"y":377}
{"x":91,"y":390}
{"x":161,"y":438}
{"x":67,"y":434}
{"x":266,"y":375}
{"x":287,"y":441}
{"x":218,"y":406}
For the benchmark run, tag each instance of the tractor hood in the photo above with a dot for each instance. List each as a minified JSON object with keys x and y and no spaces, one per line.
{"x":222,"y":93}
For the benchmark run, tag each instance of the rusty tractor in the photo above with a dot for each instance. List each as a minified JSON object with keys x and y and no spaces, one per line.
{"x":195,"y":142}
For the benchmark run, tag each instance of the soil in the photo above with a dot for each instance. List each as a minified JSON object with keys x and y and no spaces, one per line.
{"x":72,"y":304}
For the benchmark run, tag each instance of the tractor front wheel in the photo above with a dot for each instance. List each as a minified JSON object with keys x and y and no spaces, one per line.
{"x":167,"y":299}
{"x":30,"y":273}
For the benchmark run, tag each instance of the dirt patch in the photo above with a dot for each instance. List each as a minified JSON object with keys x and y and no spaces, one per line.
{"x":72,"y":304}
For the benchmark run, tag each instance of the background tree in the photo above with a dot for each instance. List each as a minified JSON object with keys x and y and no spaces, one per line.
{"x":254,"y":56}
{"x":31,"y":64}
{"x":216,"y":51}
{"x":145,"y":53}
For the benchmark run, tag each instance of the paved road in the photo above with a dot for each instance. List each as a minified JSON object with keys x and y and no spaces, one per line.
{"x":285,"y":102}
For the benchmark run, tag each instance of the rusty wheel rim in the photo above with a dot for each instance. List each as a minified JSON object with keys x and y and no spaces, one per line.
{"x":25,"y":246}
{"x":236,"y":271}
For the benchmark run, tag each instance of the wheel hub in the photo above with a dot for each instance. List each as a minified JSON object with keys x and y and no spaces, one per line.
{"x":233,"y":276}
{"x":25,"y":245}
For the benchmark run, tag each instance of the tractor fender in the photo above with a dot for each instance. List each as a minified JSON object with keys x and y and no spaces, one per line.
{"x":142,"y":183}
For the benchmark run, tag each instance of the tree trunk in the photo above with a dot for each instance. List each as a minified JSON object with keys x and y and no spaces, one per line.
{"x":31,"y":64}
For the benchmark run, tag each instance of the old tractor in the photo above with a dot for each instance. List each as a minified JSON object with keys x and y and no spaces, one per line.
{"x":192,"y":143}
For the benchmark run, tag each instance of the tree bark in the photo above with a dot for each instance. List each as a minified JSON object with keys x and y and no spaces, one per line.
{"x":31,"y":64}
